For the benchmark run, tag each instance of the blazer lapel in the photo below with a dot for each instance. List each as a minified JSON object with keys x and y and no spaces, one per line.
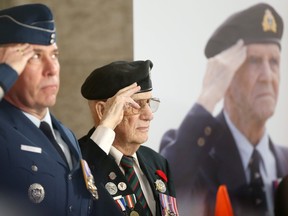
{"x":70,"y":140}
{"x":28,"y":130}
{"x":231,"y":171}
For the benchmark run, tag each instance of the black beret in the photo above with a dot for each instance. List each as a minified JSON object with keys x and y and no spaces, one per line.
{"x":257,"y":24}
{"x":106,"y":81}
{"x":29,"y":23}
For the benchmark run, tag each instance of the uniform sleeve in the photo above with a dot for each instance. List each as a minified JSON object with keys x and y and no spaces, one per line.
{"x":8,"y":76}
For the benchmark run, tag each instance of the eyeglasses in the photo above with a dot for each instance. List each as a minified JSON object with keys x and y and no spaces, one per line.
{"x":153,"y":103}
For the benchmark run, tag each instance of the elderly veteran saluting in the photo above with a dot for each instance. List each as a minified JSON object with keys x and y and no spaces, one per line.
{"x":233,"y":148}
{"x":40,"y":171}
{"x":137,"y":178}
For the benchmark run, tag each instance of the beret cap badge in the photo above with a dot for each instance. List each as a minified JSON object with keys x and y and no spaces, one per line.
{"x":269,"y":22}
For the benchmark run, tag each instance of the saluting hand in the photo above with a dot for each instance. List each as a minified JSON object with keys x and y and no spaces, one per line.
{"x":16,"y":56}
{"x":219,"y":73}
{"x":114,"y":107}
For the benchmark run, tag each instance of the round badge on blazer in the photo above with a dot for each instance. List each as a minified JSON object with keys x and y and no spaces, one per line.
{"x":122,"y":186}
{"x":160,"y":186}
{"x":134,"y":213}
{"x":36,"y":193}
{"x":111,"y":188}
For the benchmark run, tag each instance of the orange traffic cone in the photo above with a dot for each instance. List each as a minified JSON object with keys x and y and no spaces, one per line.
{"x":223,"y":206}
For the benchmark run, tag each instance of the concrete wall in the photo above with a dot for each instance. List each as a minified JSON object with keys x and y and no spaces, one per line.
{"x":90,"y":34}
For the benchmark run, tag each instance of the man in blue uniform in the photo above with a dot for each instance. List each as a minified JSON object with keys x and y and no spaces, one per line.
{"x":233,"y":148}
{"x":40,"y":173}
{"x":138,"y":179}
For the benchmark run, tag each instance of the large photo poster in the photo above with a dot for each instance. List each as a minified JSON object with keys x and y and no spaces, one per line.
{"x":205,"y":146}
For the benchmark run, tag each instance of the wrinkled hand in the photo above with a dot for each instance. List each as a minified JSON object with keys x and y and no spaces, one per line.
{"x":114,"y":106}
{"x":219,"y":73}
{"x":16,"y":56}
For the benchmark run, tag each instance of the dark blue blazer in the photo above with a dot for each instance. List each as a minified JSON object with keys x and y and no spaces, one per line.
{"x":202,"y":155}
{"x":102,"y":165}
{"x":28,"y":163}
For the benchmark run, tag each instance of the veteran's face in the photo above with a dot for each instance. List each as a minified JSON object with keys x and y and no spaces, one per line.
{"x":38,"y":85}
{"x":134,"y":128}
{"x":255,"y":86}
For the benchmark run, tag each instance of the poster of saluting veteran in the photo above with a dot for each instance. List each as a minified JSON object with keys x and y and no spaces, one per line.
{"x":220,"y":74}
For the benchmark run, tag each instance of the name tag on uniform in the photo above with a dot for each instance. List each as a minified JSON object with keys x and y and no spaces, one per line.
{"x":31,"y":149}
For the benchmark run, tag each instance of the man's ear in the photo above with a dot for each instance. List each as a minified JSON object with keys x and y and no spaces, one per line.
{"x":99,"y":109}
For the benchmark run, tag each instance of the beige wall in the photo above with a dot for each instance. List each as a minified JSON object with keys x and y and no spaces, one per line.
{"x":90,"y":34}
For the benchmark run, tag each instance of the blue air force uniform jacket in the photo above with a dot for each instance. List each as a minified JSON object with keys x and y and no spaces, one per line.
{"x":105,"y":170}
{"x":34,"y":179}
{"x":203,"y":155}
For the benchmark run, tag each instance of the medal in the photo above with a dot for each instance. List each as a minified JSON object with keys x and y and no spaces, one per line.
{"x":134,"y":213}
{"x":89,"y":179}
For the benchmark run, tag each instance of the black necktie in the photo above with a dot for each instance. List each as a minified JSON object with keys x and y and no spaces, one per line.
{"x":45,"y":128}
{"x":127,"y":164}
{"x":256,"y":183}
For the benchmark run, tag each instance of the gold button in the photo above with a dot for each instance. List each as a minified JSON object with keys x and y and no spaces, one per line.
{"x":201,"y":141}
{"x":207,"y":130}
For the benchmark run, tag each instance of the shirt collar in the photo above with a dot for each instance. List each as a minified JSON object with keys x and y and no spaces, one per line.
{"x":117,"y":155}
{"x":245,"y":148}
{"x":36,"y":121}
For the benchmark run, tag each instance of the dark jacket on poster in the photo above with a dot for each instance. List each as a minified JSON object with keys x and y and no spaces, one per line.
{"x":35,"y":180}
{"x":102,"y":165}
{"x":202,"y":155}
{"x":281,"y":198}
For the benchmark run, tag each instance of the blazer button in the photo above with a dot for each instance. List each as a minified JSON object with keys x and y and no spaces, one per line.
{"x":34,"y":168}
{"x":208,"y":131}
{"x":70,"y":208}
{"x":201,"y":142}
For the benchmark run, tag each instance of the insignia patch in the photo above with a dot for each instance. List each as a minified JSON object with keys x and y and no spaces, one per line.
{"x":36,"y":193}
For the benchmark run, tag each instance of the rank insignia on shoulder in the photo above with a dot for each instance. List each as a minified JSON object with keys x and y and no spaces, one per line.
{"x":89,"y":179}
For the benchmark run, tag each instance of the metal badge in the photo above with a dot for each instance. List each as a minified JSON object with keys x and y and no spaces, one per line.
{"x":160,"y":186}
{"x":122,"y":186}
{"x":111,"y":188}
{"x":269,"y":22}
{"x":112,"y":175}
{"x":36,"y":193}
